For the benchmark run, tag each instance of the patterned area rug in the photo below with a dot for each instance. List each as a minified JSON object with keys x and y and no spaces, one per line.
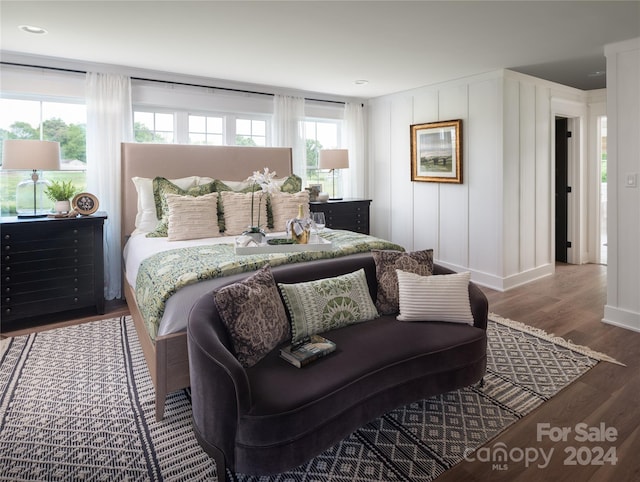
{"x":77,"y":403}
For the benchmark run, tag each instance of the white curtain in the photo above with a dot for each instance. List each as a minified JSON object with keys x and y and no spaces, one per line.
{"x":355,"y":178}
{"x":109,"y":122}
{"x":288,"y":130}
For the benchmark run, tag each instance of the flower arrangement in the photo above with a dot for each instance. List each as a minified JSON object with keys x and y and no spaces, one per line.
{"x":263,"y":180}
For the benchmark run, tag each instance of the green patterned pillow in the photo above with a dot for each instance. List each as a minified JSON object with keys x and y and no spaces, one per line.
{"x":326,"y":304}
{"x":162,"y":187}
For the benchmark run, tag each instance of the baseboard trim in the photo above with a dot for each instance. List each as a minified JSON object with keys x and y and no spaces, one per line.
{"x":621,"y":318}
{"x":503,"y":284}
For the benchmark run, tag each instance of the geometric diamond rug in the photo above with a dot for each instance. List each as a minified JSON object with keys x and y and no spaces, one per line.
{"x":77,"y":403}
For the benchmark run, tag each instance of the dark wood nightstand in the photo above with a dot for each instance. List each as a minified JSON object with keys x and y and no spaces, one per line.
{"x":50,"y":265}
{"x":351,"y":214}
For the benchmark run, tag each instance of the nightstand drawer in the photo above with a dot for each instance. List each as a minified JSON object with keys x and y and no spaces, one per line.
{"x":47,"y":305}
{"x":46,"y":289}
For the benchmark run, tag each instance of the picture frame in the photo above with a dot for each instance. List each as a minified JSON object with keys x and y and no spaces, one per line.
{"x":314,"y":190}
{"x":436,"y":152}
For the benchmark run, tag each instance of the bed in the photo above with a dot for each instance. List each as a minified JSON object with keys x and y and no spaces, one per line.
{"x":161,"y":326}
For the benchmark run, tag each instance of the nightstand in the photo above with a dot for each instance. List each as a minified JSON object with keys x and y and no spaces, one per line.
{"x":50,"y":265}
{"x":351,"y":214}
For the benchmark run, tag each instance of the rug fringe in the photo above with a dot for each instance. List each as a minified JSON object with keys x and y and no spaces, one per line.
{"x":585,"y":350}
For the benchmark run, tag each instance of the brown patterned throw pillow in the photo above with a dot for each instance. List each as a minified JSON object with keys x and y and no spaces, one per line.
{"x":387,"y":262}
{"x":254,"y":315}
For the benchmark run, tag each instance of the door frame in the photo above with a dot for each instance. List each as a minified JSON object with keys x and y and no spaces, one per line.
{"x":576,"y":114}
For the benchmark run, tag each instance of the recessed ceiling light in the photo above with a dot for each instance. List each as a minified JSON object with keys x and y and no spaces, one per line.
{"x":32,"y":29}
{"x":361,"y":82}
{"x":597,"y":73}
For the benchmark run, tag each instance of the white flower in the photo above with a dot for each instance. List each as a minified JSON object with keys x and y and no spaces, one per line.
{"x":265,"y":181}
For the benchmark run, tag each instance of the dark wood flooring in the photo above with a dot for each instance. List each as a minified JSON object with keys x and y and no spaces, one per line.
{"x":569,"y":304}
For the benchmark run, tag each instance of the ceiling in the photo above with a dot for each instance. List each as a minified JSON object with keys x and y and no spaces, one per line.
{"x":327,"y":46}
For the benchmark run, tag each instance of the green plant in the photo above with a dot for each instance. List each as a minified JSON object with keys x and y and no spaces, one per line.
{"x":60,"y":190}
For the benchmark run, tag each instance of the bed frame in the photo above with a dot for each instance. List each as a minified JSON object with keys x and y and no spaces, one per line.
{"x":167,"y":356}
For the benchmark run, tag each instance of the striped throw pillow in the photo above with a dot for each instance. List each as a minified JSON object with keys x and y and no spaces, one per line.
{"x":434,"y":298}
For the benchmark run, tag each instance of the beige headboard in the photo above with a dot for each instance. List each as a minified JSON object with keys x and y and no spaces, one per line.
{"x":231,"y":163}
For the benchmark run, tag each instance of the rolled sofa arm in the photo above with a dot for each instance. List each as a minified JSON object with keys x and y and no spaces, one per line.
{"x":216,"y":375}
{"x":477,"y":299}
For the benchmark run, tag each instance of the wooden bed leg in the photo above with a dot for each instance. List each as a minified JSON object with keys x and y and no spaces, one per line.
{"x":161,"y":398}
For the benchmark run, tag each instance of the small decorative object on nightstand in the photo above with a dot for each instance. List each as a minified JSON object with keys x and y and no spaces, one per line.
{"x":350,"y":214}
{"x":51,"y":265}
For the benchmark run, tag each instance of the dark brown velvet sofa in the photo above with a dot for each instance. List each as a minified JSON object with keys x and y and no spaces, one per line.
{"x":273,"y":416}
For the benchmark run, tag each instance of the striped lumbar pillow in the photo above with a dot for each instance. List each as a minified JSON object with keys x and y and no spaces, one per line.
{"x":434,"y":298}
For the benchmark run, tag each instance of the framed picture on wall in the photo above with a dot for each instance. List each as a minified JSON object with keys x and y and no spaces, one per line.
{"x":436,"y":152}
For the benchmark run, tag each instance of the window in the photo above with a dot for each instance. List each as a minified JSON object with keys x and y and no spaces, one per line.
{"x":321,"y":134}
{"x":153,"y":127}
{"x":251,"y":132}
{"x":206,"y":130}
{"x":53,"y":120}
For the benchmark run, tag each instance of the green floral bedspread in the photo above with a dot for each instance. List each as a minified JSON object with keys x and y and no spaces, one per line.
{"x":163,"y":274}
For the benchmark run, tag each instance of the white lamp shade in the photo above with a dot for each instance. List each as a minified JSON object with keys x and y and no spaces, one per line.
{"x":22,"y":155}
{"x":333,"y":159}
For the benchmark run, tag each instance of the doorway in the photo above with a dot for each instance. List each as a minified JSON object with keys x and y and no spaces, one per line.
{"x":562,"y":189}
{"x":602,"y":159}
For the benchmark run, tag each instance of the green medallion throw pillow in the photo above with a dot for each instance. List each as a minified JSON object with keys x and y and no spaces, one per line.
{"x":326,"y":304}
{"x":162,"y":187}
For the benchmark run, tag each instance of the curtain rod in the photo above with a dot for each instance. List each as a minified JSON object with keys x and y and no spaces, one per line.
{"x":187,"y":84}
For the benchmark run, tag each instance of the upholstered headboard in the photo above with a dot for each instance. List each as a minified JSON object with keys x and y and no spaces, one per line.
{"x":231,"y":163}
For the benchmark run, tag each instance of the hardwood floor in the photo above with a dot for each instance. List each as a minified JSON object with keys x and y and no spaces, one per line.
{"x":568,"y":304}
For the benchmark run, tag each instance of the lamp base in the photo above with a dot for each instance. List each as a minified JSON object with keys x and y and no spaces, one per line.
{"x":31,"y":200}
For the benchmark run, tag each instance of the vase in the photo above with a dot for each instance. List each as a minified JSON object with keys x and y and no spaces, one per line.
{"x":255,"y":233}
{"x":62,"y":206}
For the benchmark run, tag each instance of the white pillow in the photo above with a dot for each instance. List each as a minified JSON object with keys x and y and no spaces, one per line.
{"x":192,"y":217}
{"x":237,"y":211}
{"x":434,"y":298}
{"x":284,"y":206}
{"x":146,"y":218}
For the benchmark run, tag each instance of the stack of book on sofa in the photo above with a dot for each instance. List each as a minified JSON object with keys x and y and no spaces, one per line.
{"x":312,"y":348}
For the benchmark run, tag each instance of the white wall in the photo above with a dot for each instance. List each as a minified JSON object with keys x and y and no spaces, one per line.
{"x":623,"y":150}
{"x":499,"y":223}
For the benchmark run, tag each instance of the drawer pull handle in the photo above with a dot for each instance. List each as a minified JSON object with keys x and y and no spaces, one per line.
{"x":7,"y":248}
{"x":7,"y":279}
{"x":7,"y":311}
{"x":7,"y":290}
{"x":7,"y":269}
{"x":7,"y":236}
{"x":7,"y":299}
{"x":75,"y":300}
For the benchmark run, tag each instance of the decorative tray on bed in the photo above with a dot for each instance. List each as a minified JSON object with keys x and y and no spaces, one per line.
{"x":276,"y":244}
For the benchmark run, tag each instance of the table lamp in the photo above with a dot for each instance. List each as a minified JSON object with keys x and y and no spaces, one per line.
{"x":334,"y":159}
{"x":24,"y":155}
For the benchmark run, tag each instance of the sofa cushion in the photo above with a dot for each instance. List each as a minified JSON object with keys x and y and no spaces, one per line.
{"x":387,"y":262}
{"x":325,"y":304}
{"x":370,"y":360}
{"x":434,"y":298}
{"x":253,"y":313}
